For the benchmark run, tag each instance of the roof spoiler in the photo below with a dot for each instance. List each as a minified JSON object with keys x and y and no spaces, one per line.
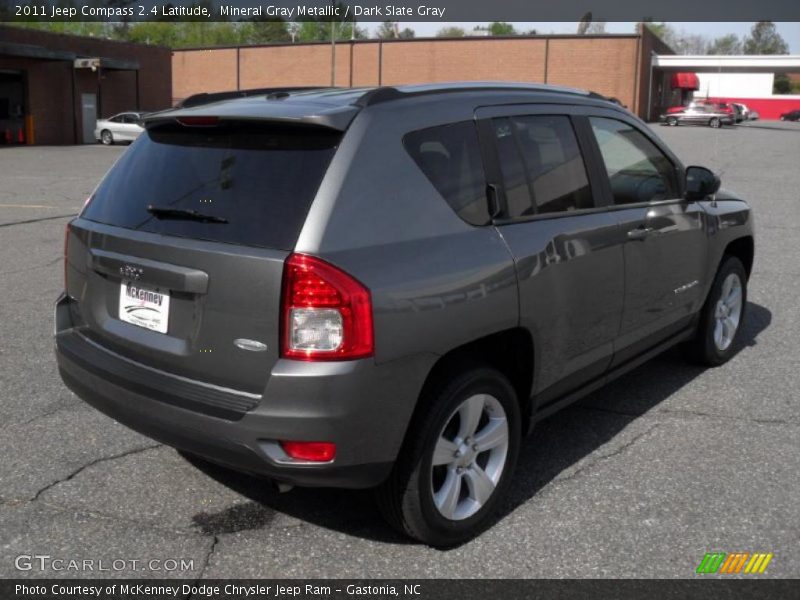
{"x":274,"y":92}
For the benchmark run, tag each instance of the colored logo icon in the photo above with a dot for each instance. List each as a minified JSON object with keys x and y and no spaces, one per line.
{"x":737,"y":562}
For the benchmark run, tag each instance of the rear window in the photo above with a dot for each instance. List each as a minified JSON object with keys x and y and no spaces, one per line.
{"x":256,"y":183}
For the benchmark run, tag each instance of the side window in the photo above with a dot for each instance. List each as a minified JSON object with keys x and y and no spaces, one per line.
{"x":637,"y":169}
{"x":450,"y":157}
{"x":541,"y":163}
{"x":116,"y":119}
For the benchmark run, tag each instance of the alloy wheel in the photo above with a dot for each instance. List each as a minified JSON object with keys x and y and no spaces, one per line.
{"x":469,"y":457}
{"x":728,"y":312}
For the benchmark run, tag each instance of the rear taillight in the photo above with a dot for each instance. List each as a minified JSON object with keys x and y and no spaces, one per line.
{"x":66,"y":252}
{"x":325,"y":313}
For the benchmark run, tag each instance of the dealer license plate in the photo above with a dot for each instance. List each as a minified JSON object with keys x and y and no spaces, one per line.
{"x":144,"y":306}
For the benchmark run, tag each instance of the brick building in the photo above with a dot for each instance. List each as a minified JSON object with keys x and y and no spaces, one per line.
{"x":613,"y":65}
{"x":53,"y":87}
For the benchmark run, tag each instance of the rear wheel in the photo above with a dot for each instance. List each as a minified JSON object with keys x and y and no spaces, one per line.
{"x":106,"y":137}
{"x":672,"y":121}
{"x":722,"y":315}
{"x":715,"y":123}
{"x":457,"y":460}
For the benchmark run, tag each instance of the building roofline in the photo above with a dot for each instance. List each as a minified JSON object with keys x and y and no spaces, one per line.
{"x":10,"y":25}
{"x":545,"y":36}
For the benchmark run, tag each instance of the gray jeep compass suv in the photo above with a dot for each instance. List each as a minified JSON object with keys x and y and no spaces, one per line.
{"x":388,"y":287}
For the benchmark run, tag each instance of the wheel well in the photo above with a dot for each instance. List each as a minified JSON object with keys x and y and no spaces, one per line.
{"x":509,"y":351}
{"x":743,"y":249}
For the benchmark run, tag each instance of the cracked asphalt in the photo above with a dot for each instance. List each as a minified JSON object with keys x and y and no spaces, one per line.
{"x":641,"y":479}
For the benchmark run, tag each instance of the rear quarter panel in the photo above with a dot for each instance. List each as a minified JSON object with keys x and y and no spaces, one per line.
{"x":437,"y":282}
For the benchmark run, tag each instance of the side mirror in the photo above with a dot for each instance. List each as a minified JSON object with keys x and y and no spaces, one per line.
{"x":700,"y":183}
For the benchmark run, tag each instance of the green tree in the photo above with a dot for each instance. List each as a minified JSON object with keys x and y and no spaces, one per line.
{"x":501,"y":28}
{"x":782,"y":84}
{"x":387,"y":30}
{"x":446,"y":32}
{"x":726,"y":44}
{"x":264,"y":31}
{"x":765,"y":39}
{"x":320,"y":31}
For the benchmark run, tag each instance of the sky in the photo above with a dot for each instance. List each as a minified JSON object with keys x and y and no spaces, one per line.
{"x":789,"y":31}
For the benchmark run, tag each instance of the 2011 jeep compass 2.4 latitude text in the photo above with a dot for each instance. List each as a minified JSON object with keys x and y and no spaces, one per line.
{"x":388,"y":287}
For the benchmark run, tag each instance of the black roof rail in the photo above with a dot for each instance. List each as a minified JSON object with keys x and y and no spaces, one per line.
{"x":378,"y":95}
{"x":271,"y":93}
{"x":387,"y":93}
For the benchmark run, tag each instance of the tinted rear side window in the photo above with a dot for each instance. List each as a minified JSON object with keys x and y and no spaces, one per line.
{"x":542,"y":167}
{"x":260,"y":180}
{"x":450,"y":157}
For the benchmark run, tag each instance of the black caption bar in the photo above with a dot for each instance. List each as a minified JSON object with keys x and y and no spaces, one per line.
{"x":432,"y":589}
{"x":399,"y":10}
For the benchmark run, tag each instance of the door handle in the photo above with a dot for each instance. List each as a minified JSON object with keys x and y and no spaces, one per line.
{"x":640,"y":233}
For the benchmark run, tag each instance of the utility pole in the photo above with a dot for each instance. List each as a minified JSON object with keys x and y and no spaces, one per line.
{"x":333,"y":54}
{"x":333,"y":44}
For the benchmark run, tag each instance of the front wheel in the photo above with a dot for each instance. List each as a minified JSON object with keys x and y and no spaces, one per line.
{"x":672,"y":121}
{"x":457,"y":460}
{"x":715,"y":123}
{"x":107,"y":137}
{"x":722,"y":315}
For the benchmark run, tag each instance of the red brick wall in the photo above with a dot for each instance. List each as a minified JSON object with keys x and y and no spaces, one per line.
{"x":463,"y":60}
{"x":607,"y":66}
{"x":610,"y":65}
{"x":202,"y":70}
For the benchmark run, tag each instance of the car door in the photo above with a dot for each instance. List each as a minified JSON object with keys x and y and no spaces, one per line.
{"x":566,"y":248}
{"x":666,"y":245}
{"x":128,"y":128}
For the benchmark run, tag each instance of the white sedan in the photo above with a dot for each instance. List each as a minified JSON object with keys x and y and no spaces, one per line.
{"x":124,"y":127}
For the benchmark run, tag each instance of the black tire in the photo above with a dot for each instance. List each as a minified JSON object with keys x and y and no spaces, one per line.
{"x":672,"y":121}
{"x":703,"y":348}
{"x":715,"y":123}
{"x":406,"y":499}
{"x":107,"y":138}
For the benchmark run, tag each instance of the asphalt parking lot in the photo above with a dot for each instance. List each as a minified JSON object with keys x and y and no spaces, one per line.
{"x":639,"y":480}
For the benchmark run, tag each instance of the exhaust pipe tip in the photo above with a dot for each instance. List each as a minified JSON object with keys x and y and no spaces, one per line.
{"x":281,"y":486}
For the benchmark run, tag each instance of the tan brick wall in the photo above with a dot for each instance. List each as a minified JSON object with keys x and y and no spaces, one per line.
{"x":365,"y":64}
{"x":607,"y":66}
{"x":286,"y":66}
{"x":195,"y":71}
{"x":463,"y":60}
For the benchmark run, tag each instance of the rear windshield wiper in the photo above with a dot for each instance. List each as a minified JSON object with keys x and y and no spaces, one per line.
{"x":165,"y":212}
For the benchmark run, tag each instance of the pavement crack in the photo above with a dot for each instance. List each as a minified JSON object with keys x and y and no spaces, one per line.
{"x":26,"y":269}
{"x":44,"y":415}
{"x":211,"y":550}
{"x":705,"y":415}
{"x":91,"y":464}
{"x":27,"y":221}
{"x":615,"y":453}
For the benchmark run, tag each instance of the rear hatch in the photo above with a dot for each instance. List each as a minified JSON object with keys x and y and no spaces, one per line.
{"x":176,"y":261}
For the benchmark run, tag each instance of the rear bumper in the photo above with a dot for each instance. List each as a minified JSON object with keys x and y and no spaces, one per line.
{"x":362,"y":407}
